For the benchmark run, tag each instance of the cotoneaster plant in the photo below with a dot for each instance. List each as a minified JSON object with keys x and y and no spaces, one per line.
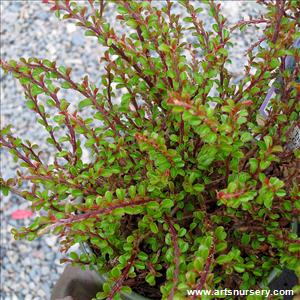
{"x":187,"y":185}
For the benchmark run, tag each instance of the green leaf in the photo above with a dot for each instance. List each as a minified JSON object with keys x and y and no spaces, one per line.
{"x":66,"y":85}
{"x":277,"y":148}
{"x":167,"y":203}
{"x":125,"y":101}
{"x":108,"y":196}
{"x":206,"y":156}
{"x":164,"y":48}
{"x":142,"y":256}
{"x":268,"y":199}
{"x":90,"y":33}
{"x":294,"y":247}
{"x":221,"y":247}
{"x":246,"y":137}
{"x":120,"y":194}
{"x":30,"y":104}
{"x":77,"y":193}
{"x":132,"y":23}
{"x":277,"y":183}
{"x":109,"y":42}
{"x":215,"y":27}
{"x":62,"y":153}
{"x":4,"y":190}
{"x":84,"y":103}
{"x":36,"y":90}
{"x":223,"y":51}
{"x":51,"y":103}
{"x":122,"y":10}
{"x":281,"y":193}
{"x":245,"y":239}
{"x":154,"y":228}
{"x":24,"y":80}
{"x":132,"y":191}
{"x":220,"y":233}
{"x":267,"y":75}
{"x":241,"y":120}
{"x":223,"y":259}
{"x":268,"y":141}
{"x":275,"y":63}
{"x":74,"y":256}
{"x":210,"y":138}
{"x":264,"y":164}
{"x":59,"y":215}
{"x":62,"y":70}
{"x":239,"y":268}
{"x":198,"y":264}
{"x":198,"y":187}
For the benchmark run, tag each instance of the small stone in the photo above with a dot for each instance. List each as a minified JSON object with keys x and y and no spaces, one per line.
{"x":38,"y":254}
{"x":78,"y":39}
{"x":52,"y":49}
{"x":46,"y":288}
{"x":71,"y":27}
{"x":14,"y":297}
{"x":33,"y":274}
{"x":22,"y":248}
{"x":32,"y":285}
{"x":49,"y":256}
{"x":12,"y":257}
{"x":43,"y":15}
{"x":27,"y":261}
{"x":15,"y":6}
{"x":45,"y":271}
{"x":51,"y":241}
{"x":41,"y":293}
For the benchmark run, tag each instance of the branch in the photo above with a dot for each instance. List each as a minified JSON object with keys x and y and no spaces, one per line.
{"x":177,"y":254}
{"x":248,"y":22}
{"x":123,"y":276}
{"x":102,"y":211}
{"x":209,"y":261}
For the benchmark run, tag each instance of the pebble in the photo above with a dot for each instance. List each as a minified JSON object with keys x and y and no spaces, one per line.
{"x":44,"y":16}
{"x":39,"y":254}
{"x":13,"y":257}
{"x":32,"y":285}
{"x":33,"y":274}
{"x":30,"y":269}
{"x":46,"y":288}
{"x":71,"y":27}
{"x":45,"y":270}
{"x":51,"y":241}
{"x":42,"y":293}
{"x":78,"y":39}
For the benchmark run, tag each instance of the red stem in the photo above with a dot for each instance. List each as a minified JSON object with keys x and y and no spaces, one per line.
{"x":203,"y":278}
{"x":121,"y":279}
{"x":104,"y":211}
{"x":177,"y":254}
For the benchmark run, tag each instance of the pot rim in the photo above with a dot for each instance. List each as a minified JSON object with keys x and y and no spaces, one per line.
{"x":103,"y":277}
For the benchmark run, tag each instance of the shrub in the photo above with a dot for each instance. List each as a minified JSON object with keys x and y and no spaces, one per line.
{"x":187,"y":186}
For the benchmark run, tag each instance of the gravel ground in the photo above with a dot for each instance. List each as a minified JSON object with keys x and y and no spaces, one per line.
{"x":29,"y":269}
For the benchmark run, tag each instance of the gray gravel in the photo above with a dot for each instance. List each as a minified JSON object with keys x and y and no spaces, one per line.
{"x":29,"y":269}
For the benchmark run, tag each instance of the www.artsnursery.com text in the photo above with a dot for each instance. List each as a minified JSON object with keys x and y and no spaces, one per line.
{"x":228,"y":292}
